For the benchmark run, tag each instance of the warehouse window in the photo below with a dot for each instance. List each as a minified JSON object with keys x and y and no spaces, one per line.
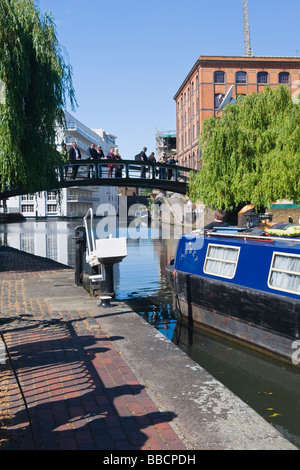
{"x":241,"y":77}
{"x":219,"y":97}
{"x":219,"y":77}
{"x":284,"y":78}
{"x":262,"y":78}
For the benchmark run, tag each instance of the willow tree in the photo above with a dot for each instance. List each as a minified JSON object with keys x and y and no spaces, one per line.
{"x":251,"y":154}
{"x":36,"y":81}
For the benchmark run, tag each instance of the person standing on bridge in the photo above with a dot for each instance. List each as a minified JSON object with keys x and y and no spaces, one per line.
{"x":92,"y":152}
{"x":171,"y":161}
{"x":152,"y":157}
{"x":92,"y":155}
{"x":143,"y":158}
{"x":74,"y":154}
{"x":100,"y":155}
{"x":151,"y":160}
{"x":119,"y":168}
{"x":111,"y":156}
{"x":162,"y":170}
{"x":65,"y":156}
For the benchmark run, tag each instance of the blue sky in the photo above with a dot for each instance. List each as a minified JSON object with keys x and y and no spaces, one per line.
{"x":129,"y":57}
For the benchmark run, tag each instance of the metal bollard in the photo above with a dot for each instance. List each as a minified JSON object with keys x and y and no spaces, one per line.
{"x":105,"y":301}
{"x":80,"y":236}
{"x":107,"y":286}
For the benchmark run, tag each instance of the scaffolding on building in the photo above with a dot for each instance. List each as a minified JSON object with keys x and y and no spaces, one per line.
{"x":165,"y":144}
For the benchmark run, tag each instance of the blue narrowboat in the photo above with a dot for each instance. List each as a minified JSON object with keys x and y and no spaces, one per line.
{"x":242,"y":285}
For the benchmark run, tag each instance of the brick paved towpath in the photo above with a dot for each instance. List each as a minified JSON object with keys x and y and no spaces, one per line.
{"x":97,"y":378}
{"x":80,"y":392}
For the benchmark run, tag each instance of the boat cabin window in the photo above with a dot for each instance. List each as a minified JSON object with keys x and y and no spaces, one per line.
{"x":221,"y":260}
{"x":285,"y":273}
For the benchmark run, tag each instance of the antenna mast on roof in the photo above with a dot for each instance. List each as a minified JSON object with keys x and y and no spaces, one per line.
{"x":247,"y":46}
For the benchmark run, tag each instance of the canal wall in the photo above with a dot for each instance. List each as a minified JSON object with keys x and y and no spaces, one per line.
{"x":208,"y":416}
{"x":9,"y":218}
{"x":281,"y":216}
{"x":203,"y":413}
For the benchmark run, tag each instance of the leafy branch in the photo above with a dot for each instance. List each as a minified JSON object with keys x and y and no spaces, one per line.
{"x":37,"y":81}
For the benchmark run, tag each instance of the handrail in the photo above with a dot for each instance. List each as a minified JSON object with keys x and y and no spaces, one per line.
{"x":106,"y":161}
{"x":248,"y":235}
{"x":90,"y":211}
{"x":130,"y":165}
{"x":91,"y":174}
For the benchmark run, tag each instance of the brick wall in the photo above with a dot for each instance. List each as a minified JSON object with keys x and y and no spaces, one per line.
{"x":279,"y":216}
{"x":282,"y":215}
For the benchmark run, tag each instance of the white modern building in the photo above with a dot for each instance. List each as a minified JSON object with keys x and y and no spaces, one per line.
{"x":75,"y":201}
{"x":84,"y":136}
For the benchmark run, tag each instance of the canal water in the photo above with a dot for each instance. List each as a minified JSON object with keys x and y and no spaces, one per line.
{"x":269,"y":386}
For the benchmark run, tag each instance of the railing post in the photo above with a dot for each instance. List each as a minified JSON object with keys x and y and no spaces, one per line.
{"x":152,"y":171}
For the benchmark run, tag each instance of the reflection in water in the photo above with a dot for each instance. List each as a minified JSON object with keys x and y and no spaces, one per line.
{"x":143,"y":282}
{"x":268,"y":386}
{"x":50,"y":239}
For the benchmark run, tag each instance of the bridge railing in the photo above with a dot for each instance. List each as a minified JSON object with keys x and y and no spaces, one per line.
{"x":115,"y":173}
{"x":121,"y":169}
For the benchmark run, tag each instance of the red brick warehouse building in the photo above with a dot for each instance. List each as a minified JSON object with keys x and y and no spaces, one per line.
{"x":207,"y":83}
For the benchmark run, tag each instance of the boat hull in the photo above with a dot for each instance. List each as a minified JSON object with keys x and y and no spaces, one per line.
{"x":266,"y":321}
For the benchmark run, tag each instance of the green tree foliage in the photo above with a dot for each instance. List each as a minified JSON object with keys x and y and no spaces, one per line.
{"x":252,"y":153}
{"x":36,"y":79}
